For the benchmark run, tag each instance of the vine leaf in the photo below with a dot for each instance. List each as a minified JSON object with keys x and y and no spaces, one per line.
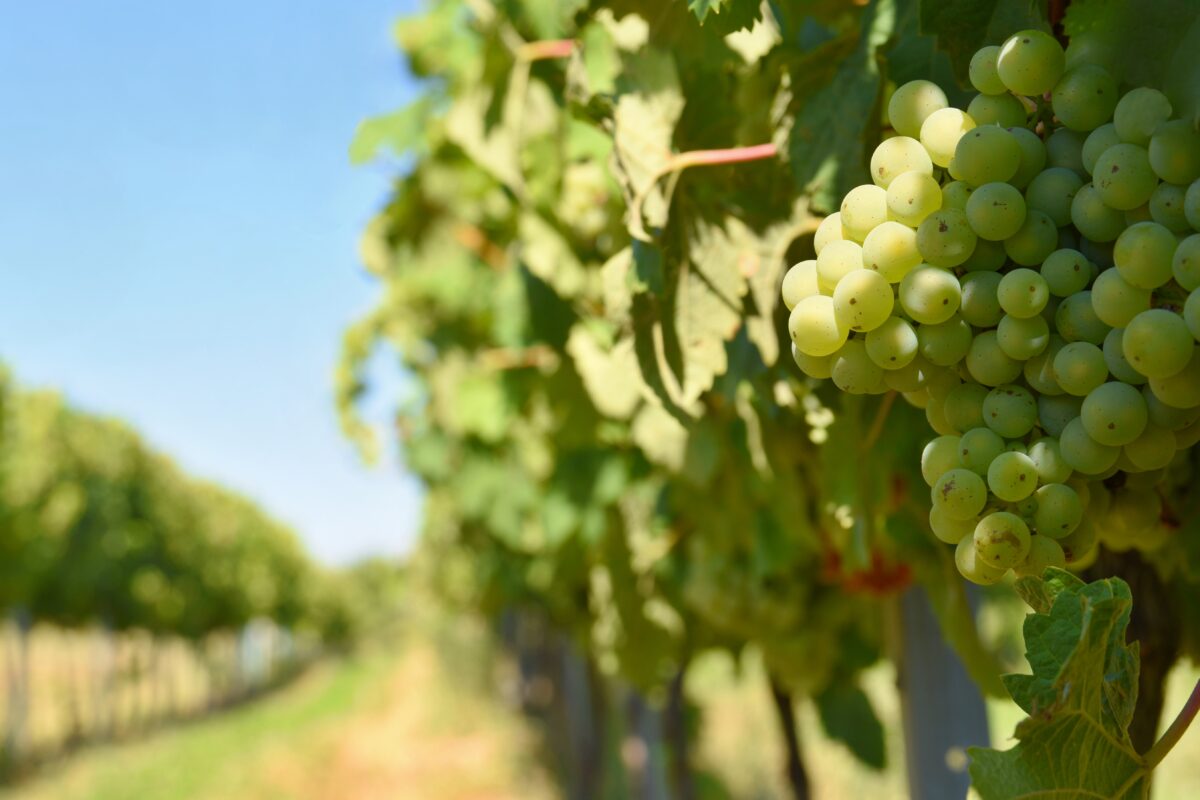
{"x":963,"y":26}
{"x":847,"y":716}
{"x":727,"y":15}
{"x":1080,"y":698}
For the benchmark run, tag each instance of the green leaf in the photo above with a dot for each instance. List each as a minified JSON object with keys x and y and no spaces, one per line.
{"x":727,"y":15}
{"x":611,"y":376}
{"x":1080,"y":698}
{"x":847,"y":717}
{"x":964,"y":26}
{"x":399,"y":132}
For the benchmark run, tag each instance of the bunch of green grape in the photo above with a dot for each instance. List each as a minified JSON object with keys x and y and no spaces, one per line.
{"x":1026,"y":271}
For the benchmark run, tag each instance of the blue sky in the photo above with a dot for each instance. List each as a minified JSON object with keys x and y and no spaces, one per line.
{"x":178,"y":230}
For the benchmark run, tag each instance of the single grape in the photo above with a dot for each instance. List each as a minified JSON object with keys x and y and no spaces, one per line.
{"x":1080,"y":544}
{"x":1175,"y":152}
{"x":1080,"y":367}
{"x":1051,"y":192}
{"x":945,"y":343}
{"x":1048,"y":461}
{"x":912,"y":377}
{"x":911,"y":197}
{"x":997,"y":109}
{"x":939,"y":457}
{"x":1084,"y":453}
{"x":1059,"y":510}
{"x":1012,"y":476}
{"x":1096,"y":143}
{"x":1114,"y":414}
{"x":960,"y":493}
{"x":955,"y":195}
{"x":893,"y":344}
{"x":972,"y":566}
{"x":911,"y":103}
{"x":1185,"y":265}
{"x":987,"y":362}
{"x":1085,"y":97}
{"x":1095,"y":220}
{"x":996,"y":211}
{"x":941,"y":131}
{"x":1143,"y":253}
{"x":935,"y":415}
{"x":1030,"y":62}
{"x":891,"y":250}
{"x":987,"y":154}
{"x":830,"y":230}
{"x":1036,"y":239}
{"x":982,"y":71}
{"x":1167,"y":207}
{"x":986,"y":257}
{"x":1023,"y":293}
{"x":980,"y":304}
{"x":1123,"y":177}
{"x":964,"y":406}
{"x":1033,"y":156}
{"x":853,"y":370}
{"x":863,"y":300}
{"x":1066,"y":272}
{"x":1154,"y":448}
{"x":1001,"y":539}
{"x":1157,"y":343}
{"x":1010,"y":411}
{"x":930,"y":295}
{"x":1064,"y":148}
{"x":1191,"y":314}
{"x":814,"y":327}
{"x":1055,"y":412}
{"x":1165,"y":416}
{"x":948,"y":529}
{"x":819,"y":367}
{"x":862,"y":209}
{"x":1022,"y":339}
{"x":978,"y":447}
{"x":837,"y":260}
{"x":1115,"y":301}
{"x":1114,"y":357}
{"x":897,"y":155}
{"x":1039,"y":369}
{"x":1181,"y":390}
{"x":1139,"y":113}
{"x":799,"y":282}
{"x":945,"y":238}
{"x":1044,"y":553}
{"x":1076,"y":320}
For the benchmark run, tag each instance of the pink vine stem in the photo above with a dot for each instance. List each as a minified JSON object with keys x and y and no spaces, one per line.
{"x":551,"y":48}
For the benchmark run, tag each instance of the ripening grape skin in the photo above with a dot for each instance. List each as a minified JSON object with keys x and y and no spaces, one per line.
{"x":911,"y":103}
{"x":1048,"y":461}
{"x":1033,"y":156}
{"x":1139,"y":113}
{"x":1185,"y":265}
{"x":972,"y":567}
{"x":1123,"y":177}
{"x":1167,"y":207}
{"x":950,"y":530}
{"x":891,"y":250}
{"x":956,"y":194}
{"x":913,"y":196}
{"x":941,"y":131}
{"x":980,"y":305}
{"x":863,"y":300}
{"x":1066,"y":272}
{"x":830,"y":230}
{"x":996,"y":211}
{"x":1114,"y":414}
{"x":960,"y":493}
{"x":1052,"y":191}
{"x":1181,"y":390}
{"x":987,"y":154}
{"x":862,"y":209}
{"x":939,"y":457}
{"x":930,"y":295}
{"x":1036,"y":239}
{"x":1001,"y":539}
{"x":1079,"y":367}
{"x":1153,"y":449}
{"x":1085,"y":97}
{"x":1044,"y":553}
{"x":1175,"y":152}
{"x":1022,"y":339}
{"x":897,"y":155}
{"x":1023,"y":293}
{"x":853,"y":370}
{"x":1030,"y":62}
{"x":1059,"y":511}
{"x":945,"y":238}
{"x":987,"y":362}
{"x":964,"y":406}
{"x":1095,"y":220}
{"x":1115,"y":301}
{"x":893,"y":344}
{"x":1076,"y":320}
{"x":982,"y":71}
{"x":814,"y":327}
{"x":1084,"y":453}
{"x":1056,"y":412}
{"x":799,"y":282}
{"x":1096,"y":143}
{"x":836,"y":260}
{"x":1012,"y":476}
{"x":1157,"y":343}
{"x":1010,"y":411}
{"x":997,"y":109}
{"x":1144,"y":253}
{"x":1118,"y":365}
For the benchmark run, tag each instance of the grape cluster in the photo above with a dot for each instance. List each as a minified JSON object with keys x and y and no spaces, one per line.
{"x":1026,"y":271}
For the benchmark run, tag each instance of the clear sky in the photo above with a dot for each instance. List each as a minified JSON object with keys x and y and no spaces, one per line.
{"x":178,"y":231}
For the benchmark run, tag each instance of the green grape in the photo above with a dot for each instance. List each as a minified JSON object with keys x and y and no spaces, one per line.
{"x":1080,"y":367}
{"x":1010,"y":411}
{"x":863,"y":300}
{"x":1064,"y":149}
{"x":1085,"y":98}
{"x":1094,"y":219}
{"x":897,"y":155}
{"x":1098,"y":253}
{"x":1066,"y":272}
{"x":1096,"y":143}
{"x":830,"y":230}
{"x":1115,"y":301}
{"x":1048,"y":461}
{"x":941,"y":131}
{"x":1165,"y":416}
{"x":950,"y":530}
{"x":1084,"y":453}
{"x":1153,"y":449}
{"x":862,"y":209}
{"x":1044,"y":553}
{"x":1188,"y":437}
{"x":1059,"y":510}
{"x":1139,"y":113}
{"x":972,"y":566}
{"x":1123,"y":177}
{"x":891,"y":250}
{"x":1056,"y":411}
{"x":995,"y":211}
{"x":978,"y":447}
{"x":1157,"y":343}
{"x":982,"y":71}
{"x":987,"y":154}
{"x":1001,"y":539}
{"x":987,"y":362}
{"x":1034,"y":240}
{"x":1175,"y":152}
{"x":1076,"y":320}
{"x":955,"y":195}
{"x":1185,"y":265}
{"x":1191,"y":205}
{"x":964,"y":406}
{"x":1114,"y":357}
{"x":1033,"y":156}
{"x":945,"y":238}
{"x":911,"y":197}
{"x":1080,"y":544}
{"x":819,"y":367}
{"x":1114,"y":414}
{"x":960,"y":493}
{"x":986,"y":257}
{"x":939,"y":457}
{"x":1181,"y":390}
{"x":1167,"y":207}
{"x":940,"y":381}
{"x":814,"y":327}
{"x":980,"y":305}
{"x":1030,"y":62}
{"x":1191,"y":314}
{"x":909,"y":378}
{"x":1143,"y":253}
{"x":945,"y":343}
{"x":853,"y":370}
{"x":837,"y":260}
{"x":997,"y":109}
{"x":1023,"y":293}
{"x":799,"y":282}
{"x":1039,"y":369}
{"x":893,"y":344}
{"x":1012,"y":476}
{"x":1022,"y":339}
{"x":1051,"y":192}
{"x":911,"y":103}
{"x":1139,"y":214}
{"x":930,"y":295}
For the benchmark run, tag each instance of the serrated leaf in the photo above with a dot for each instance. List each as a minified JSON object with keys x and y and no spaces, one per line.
{"x":399,"y":132}
{"x":550,"y":256}
{"x":727,"y":15}
{"x":847,"y":716}
{"x":1080,"y":698}
{"x":611,"y":376}
{"x":963,"y":26}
